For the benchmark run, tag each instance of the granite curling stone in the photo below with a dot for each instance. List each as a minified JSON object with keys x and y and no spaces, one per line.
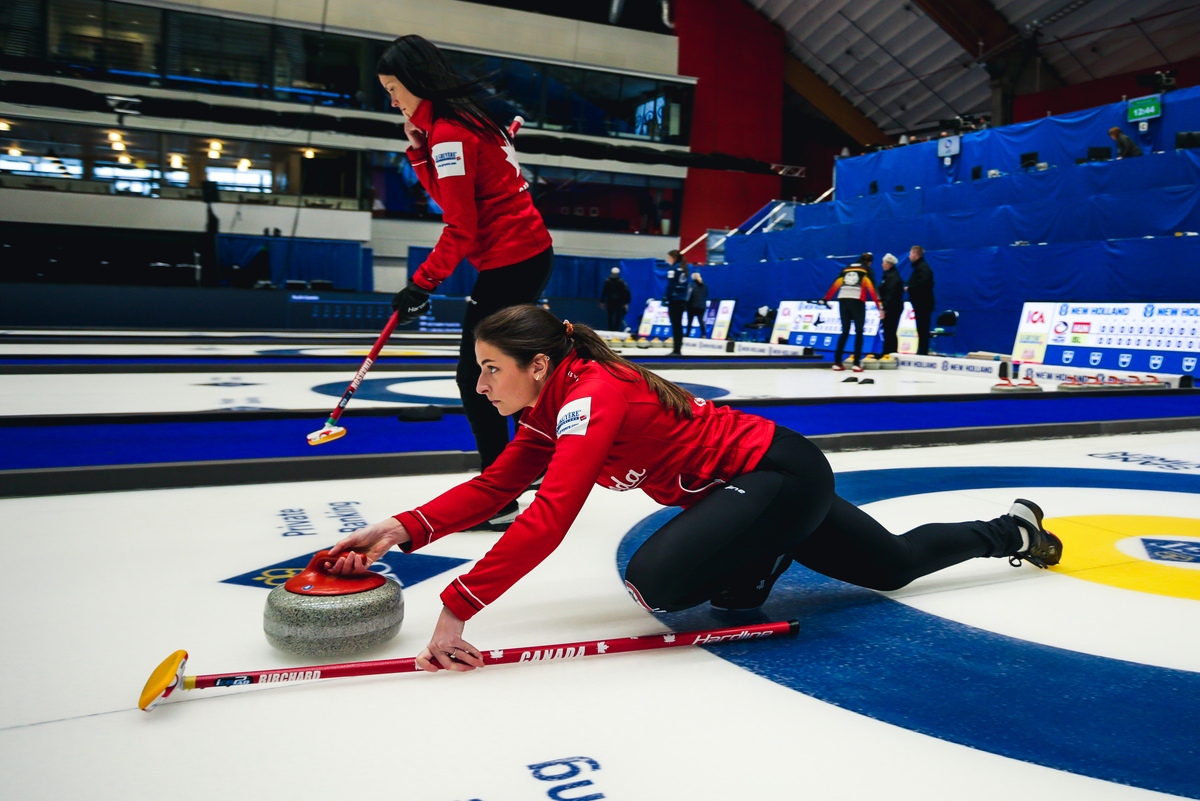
{"x":320,"y":614}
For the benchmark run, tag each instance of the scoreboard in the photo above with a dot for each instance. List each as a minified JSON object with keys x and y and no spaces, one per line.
{"x":1162,"y":337}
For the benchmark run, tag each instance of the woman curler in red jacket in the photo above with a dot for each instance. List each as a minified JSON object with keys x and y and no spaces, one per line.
{"x":756,"y":496}
{"x":465,"y":160}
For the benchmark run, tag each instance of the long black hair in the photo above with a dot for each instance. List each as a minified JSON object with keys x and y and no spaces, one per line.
{"x":523,"y":332}
{"x":424,"y":70}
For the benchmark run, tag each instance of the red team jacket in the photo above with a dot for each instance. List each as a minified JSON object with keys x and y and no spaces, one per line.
{"x":490,"y":218}
{"x":588,"y":427}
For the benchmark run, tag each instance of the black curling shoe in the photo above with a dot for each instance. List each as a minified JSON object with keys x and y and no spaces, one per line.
{"x":1044,"y":549}
{"x":502,"y":520}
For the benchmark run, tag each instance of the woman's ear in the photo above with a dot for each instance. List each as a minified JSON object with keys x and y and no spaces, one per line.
{"x":541,"y":367}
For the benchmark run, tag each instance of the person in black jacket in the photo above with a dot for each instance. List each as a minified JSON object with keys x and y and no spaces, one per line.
{"x":891,"y":296}
{"x":615,"y":298}
{"x":697,"y":303}
{"x":920,"y":295}
{"x":676,"y":297}
{"x":1126,"y":147}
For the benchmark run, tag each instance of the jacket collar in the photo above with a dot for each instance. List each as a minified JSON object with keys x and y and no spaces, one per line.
{"x":557,"y":386}
{"x":423,"y":116}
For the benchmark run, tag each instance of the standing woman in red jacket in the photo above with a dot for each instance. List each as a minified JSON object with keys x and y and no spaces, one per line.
{"x":465,"y":159}
{"x":756,"y":496}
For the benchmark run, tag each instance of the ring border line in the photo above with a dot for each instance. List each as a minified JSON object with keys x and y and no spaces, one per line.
{"x":1094,"y":716}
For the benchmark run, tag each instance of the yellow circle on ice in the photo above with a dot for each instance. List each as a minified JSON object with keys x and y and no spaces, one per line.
{"x":1157,"y":555}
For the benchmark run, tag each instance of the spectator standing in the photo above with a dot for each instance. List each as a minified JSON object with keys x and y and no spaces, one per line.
{"x":1126,"y":147}
{"x":697,"y":303}
{"x":891,"y":297}
{"x":920,"y":295}
{"x":676,"y":297}
{"x":852,"y":288}
{"x":615,"y":297}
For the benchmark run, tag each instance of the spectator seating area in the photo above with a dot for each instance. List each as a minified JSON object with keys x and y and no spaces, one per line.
{"x":1105,"y":231}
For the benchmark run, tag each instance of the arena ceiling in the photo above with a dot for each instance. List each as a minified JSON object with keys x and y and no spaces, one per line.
{"x":905,"y":71}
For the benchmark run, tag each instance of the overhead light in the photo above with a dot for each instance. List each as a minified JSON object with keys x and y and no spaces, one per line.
{"x":4,"y":126}
{"x":14,"y":151}
{"x":118,"y":145}
{"x":176,"y":161}
{"x":244,"y":165}
{"x":214,"y":145}
{"x":214,"y":154}
{"x":114,"y":137}
{"x":309,"y":154}
{"x":124,"y":159}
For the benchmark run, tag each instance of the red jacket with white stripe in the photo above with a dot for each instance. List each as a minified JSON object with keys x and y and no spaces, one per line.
{"x":490,"y":218}
{"x":588,"y":427}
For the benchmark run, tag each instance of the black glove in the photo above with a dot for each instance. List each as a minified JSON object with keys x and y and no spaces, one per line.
{"x":411,"y":302}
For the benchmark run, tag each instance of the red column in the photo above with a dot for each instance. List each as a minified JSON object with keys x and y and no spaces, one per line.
{"x":737,"y":57}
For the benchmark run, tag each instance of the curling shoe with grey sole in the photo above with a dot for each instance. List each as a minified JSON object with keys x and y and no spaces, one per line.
{"x":502,"y":519}
{"x":1044,"y":549}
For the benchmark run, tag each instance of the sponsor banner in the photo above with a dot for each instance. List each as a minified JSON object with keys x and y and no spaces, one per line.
{"x":1140,"y":337}
{"x":1119,"y":359}
{"x":1033,"y":332}
{"x":720,"y":326}
{"x":656,"y":321}
{"x":767,"y":349}
{"x":942,"y":364}
{"x":695,"y":344}
{"x":752,"y":348}
{"x":816,"y":326}
{"x":1050,"y":373}
{"x":785,"y":316}
{"x":906,"y":332}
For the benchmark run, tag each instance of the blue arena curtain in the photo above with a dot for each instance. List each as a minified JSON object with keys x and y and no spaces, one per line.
{"x":1059,"y":141}
{"x":988,"y":285}
{"x":295,"y":259}
{"x":573,"y":276}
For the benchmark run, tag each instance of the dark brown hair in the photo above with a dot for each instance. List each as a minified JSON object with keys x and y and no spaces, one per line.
{"x":679,"y":259}
{"x":523,"y":332}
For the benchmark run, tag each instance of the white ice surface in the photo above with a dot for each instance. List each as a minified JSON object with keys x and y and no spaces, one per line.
{"x":133,"y":576}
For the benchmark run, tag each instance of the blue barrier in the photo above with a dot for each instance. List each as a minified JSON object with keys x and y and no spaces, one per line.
{"x":346,"y":264}
{"x":1057,"y":140}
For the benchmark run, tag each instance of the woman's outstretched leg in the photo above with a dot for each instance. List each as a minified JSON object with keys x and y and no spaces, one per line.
{"x":852,"y":546}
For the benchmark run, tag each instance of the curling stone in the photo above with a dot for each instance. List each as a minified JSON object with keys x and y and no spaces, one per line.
{"x":320,"y":614}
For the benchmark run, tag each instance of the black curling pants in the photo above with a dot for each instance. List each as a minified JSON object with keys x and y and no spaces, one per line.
{"x":494,"y":290}
{"x":851,"y":311}
{"x":675,"y":310}
{"x":891,"y":322}
{"x":787,"y":505}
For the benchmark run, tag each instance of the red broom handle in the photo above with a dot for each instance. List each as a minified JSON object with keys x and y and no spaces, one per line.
{"x":506,"y":656}
{"x":366,"y":365}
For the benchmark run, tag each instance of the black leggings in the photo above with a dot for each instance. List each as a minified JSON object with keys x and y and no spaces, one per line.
{"x":494,"y":290}
{"x":787,"y":506}
{"x":851,"y":311}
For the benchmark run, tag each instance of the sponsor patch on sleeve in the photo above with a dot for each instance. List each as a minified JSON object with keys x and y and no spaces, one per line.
{"x":573,"y":418}
{"x":448,"y":159}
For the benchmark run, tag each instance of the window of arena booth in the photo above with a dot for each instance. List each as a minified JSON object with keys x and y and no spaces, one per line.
{"x":59,"y":156}
{"x":124,"y":43}
{"x":587,"y":200}
{"x":40,"y":154}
